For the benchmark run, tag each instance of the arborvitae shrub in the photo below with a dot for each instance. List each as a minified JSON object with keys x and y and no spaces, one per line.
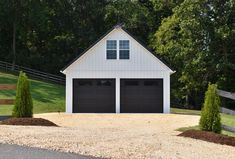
{"x":23,"y":103}
{"x":210,"y":114}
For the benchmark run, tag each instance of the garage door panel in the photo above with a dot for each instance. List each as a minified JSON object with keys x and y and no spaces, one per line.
{"x":94,"y":95}
{"x":141,"y":95}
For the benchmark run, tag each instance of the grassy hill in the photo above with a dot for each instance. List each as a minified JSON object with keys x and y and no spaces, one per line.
{"x":46,"y":97}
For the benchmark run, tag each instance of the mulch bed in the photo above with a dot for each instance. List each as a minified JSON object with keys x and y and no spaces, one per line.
{"x":210,"y":137}
{"x":28,"y":122}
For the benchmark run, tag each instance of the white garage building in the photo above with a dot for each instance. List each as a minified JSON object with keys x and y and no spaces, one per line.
{"x":117,"y":74}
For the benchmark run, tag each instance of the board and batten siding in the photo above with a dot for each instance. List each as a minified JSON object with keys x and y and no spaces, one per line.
{"x":140,"y":58}
{"x":142,"y":64}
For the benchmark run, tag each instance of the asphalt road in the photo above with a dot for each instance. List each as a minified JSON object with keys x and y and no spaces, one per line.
{"x":20,"y":152}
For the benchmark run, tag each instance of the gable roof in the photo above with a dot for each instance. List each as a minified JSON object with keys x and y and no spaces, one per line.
{"x":114,"y":27}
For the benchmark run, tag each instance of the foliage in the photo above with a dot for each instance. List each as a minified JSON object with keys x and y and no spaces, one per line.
{"x":210,"y":116}
{"x":195,"y":36}
{"x":226,"y":118}
{"x":133,"y":15}
{"x":49,"y":34}
{"x":197,"y":41}
{"x":23,"y":103}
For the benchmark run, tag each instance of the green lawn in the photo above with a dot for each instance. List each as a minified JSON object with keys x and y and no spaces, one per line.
{"x":185,"y":111}
{"x":226,"y":119}
{"x":46,"y":97}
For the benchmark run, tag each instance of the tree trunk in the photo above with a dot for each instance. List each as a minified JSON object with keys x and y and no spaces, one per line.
{"x":226,"y":72}
{"x":14,"y":46}
{"x":187,"y":100}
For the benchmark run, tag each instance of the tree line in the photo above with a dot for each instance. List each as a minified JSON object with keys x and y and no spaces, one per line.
{"x":196,"y":37}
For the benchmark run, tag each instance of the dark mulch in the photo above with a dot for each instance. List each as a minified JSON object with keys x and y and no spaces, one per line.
{"x":210,"y":137}
{"x":27,"y":121}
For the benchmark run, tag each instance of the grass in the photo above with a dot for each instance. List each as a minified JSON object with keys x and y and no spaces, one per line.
{"x":46,"y":97}
{"x":185,"y":111}
{"x":226,"y":119}
{"x":196,"y":127}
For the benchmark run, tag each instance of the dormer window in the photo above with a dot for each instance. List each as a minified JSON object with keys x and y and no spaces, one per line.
{"x":111,"y":49}
{"x":124,"y":49}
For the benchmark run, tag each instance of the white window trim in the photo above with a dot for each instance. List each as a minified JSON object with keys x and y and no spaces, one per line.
{"x":124,"y":49}
{"x":117,"y":47}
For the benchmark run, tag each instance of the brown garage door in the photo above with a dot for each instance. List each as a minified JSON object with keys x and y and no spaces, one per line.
{"x":141,"y":95}
{"x":94,"y":95}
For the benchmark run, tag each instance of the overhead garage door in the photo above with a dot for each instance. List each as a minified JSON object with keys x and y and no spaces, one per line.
{"x":141,"y":95}
{"x":94,"y":95}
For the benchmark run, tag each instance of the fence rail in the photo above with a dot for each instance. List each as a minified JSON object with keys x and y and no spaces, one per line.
{"x":226,"y":94}
{"x":228,"y":128}
{"x":33,"y":73}
{"x":227,"y":111}
{"x":4,"y":87}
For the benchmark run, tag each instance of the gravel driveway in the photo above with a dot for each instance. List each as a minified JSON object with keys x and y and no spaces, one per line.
{"x":117,"y":136}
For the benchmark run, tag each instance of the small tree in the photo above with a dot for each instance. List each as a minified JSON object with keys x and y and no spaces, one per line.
{"x":210,"y":115}
{"x":23,"y":103}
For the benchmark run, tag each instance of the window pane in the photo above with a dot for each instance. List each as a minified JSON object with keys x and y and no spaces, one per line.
{"x":131,"y":83}
{"x":111,"y":54}
{"x":85,"y":83}
{"x":111,"y":44}
{"x":124,"y":54}
{"x":124,"y":44}
{"x":151,"y":83}
{"x":104,"y":83}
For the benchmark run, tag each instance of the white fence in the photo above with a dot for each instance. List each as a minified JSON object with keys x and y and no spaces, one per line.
{"x":226,"y":94}
{"x":227,"y":111}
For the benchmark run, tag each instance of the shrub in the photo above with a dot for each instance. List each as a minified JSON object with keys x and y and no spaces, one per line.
{"x":210,"y":114}
{"x":23,"y":103}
